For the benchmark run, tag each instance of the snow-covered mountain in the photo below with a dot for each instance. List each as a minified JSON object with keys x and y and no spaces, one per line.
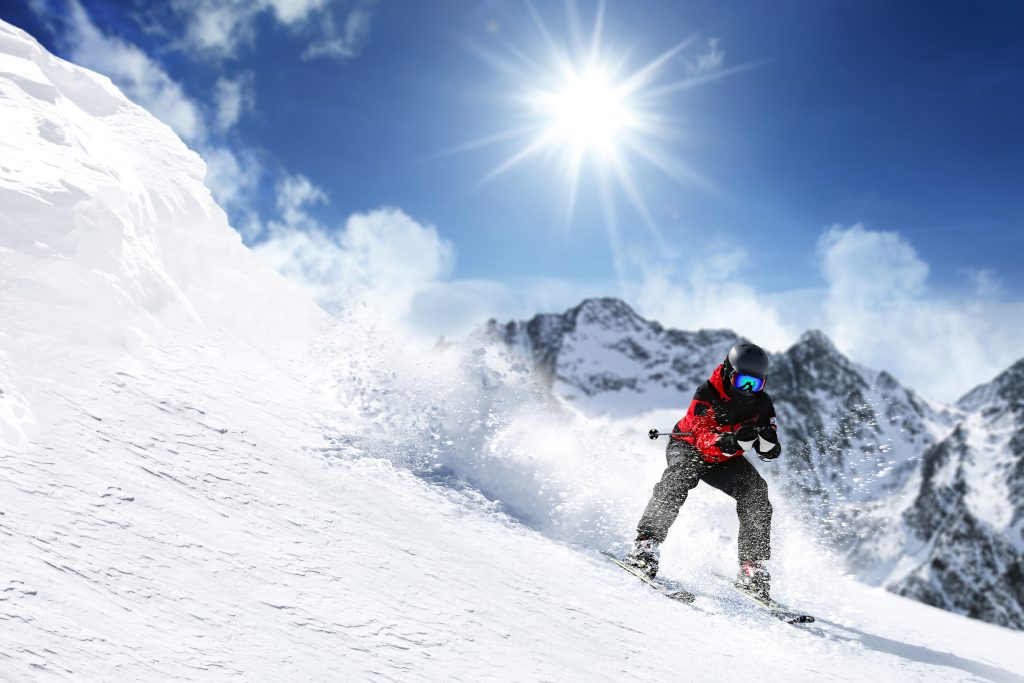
{"x":603,"y":357}
{"x":966,"y":519}
{"x":203,"y":476}
{"x":923,"y":498}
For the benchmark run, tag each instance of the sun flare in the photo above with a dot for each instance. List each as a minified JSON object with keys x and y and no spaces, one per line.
{"x":588,"y":113}
{"x":579,"y":106}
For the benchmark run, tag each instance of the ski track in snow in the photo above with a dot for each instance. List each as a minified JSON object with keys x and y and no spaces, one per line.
{"x":200,"y":476}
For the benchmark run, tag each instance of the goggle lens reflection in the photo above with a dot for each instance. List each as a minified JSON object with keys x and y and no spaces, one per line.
{"x":751,"y":383}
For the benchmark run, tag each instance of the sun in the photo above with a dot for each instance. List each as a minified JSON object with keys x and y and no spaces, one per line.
{"x":579,"y":103}
{"x":588,"y":113}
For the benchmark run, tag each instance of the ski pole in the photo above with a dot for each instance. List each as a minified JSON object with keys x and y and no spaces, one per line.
{"x":654,"y":434}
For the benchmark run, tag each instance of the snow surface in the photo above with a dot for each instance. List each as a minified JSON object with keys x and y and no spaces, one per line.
{"x":202,"y":476}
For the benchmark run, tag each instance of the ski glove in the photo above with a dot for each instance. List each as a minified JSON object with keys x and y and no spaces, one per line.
{"x":727,"y":443}
{"x":746,"y":437}
{"x":768,"y":447}
{"x":732,"y":443}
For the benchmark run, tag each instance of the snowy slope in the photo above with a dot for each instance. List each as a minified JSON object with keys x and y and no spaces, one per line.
{"x":203,"y":477}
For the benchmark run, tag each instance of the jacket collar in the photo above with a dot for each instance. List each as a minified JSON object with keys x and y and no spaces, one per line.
{"x":718,"y":382}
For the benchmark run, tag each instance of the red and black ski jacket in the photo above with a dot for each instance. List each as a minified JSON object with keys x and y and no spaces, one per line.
{"x":714,"y":412}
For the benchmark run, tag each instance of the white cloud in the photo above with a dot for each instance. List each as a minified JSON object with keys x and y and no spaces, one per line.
{"x":294,"y":194}
{"x":291,"y":11}
{"x":234,"y":97}
{"x":223,"y":28}
{"x":707,"y":290}
{"x":457,"y":307}
{"x":141,"y":78}
{"x":380,"y":260}
{"x":234,"y":179}
{"x":383,"y":264}
{"x":388,"y":252}
{"x":708,"y":62}
{"x":869,"y":269}
{"x":216,"y":27}
{"x":877,"y":305}
{"x":881,"y":311}
{"x":985,"y":283}
{"x":344,"y":44}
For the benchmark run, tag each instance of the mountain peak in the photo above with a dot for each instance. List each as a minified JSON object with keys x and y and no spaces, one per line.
{"x":818,"y":340}
{"x":610,"y":303}
{"x":606,"y":311}
{"x":1006,"y":386}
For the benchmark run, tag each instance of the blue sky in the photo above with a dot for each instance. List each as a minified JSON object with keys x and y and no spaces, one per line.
{"x":860,"y":155}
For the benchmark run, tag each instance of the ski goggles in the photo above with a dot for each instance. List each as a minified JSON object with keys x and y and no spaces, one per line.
{"x":751,"y":383}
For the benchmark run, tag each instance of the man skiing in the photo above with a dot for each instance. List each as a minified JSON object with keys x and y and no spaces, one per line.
{"x":730,"y":414}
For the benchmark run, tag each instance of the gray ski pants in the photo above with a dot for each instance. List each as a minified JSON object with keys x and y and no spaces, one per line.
{"x":736,"y":477}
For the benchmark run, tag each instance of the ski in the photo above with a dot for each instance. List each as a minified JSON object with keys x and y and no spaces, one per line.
{"x":774,"y":607}
{"x":666,"y":588}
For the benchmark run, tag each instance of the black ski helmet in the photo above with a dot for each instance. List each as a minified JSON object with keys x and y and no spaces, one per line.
{"x":746,"y":359}
{"x":749,"y":359}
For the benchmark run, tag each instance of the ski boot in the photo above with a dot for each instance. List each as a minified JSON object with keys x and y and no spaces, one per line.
{"x":645,"y":556}
{"x":754,"y":579}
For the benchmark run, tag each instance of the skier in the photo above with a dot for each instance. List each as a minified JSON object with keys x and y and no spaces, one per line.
{"x":730,"y":414}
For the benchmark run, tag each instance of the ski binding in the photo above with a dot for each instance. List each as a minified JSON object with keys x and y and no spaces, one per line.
{"x":668,"y":589}
{"x":774,"y":607}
